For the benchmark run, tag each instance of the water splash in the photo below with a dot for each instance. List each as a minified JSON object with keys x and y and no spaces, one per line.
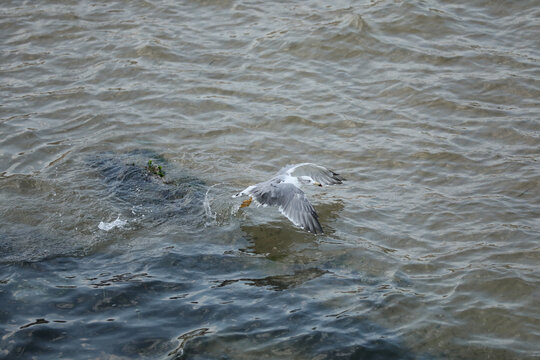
{"x":113,"y":224}
{"x":218,"y":206}
{"x":211,"y":216}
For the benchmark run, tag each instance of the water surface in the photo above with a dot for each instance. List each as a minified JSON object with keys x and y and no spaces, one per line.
{"x":429,"y":110}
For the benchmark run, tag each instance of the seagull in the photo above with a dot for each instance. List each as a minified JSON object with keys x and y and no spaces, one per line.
{"x":283,"y":190}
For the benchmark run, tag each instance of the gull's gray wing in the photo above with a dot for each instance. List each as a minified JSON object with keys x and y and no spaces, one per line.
{"x":316,"y":172}
{"x":291,"y":202}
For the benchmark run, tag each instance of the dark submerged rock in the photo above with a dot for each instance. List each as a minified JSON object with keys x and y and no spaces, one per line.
{"x":132,"y":185}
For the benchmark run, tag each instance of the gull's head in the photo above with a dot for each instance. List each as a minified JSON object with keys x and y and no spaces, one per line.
{"x":307,"y":180}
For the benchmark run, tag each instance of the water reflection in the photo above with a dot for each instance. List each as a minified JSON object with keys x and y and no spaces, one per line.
{"x":279,"y":239}
{"x":276,"y":239}
{"x":280,"y":282}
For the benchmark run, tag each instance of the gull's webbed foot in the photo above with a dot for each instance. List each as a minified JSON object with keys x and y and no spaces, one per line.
{"x":247,"y":202}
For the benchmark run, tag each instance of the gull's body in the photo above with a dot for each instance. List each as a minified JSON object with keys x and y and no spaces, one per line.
{"x":283,"y":190}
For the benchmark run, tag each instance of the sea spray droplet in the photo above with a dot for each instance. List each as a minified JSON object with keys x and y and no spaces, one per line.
{"x":111,"y":225}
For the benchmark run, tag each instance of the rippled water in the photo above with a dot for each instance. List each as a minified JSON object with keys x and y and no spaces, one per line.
{"x":429,"y":109}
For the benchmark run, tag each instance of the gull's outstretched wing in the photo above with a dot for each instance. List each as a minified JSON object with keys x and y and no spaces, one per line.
{"x":291,"y":202}
{"x":318,"y":173}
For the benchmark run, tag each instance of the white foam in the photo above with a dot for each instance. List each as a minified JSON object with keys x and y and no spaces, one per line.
{"x":113,"y":224}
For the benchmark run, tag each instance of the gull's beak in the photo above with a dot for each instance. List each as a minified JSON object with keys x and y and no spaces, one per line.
{"x":317,"y":183}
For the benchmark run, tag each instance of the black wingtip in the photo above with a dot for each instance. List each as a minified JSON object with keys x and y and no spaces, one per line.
{"x":338,"y":177}
{"x":315,"y":227}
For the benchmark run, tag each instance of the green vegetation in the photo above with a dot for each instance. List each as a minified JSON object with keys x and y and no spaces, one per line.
{"x":155,"y":169}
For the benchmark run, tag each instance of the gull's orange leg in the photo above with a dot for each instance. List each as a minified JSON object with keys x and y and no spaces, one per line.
{"x":247,"y":202}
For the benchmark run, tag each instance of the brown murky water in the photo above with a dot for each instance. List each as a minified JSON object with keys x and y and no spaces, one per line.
{"x":429,"y":109}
